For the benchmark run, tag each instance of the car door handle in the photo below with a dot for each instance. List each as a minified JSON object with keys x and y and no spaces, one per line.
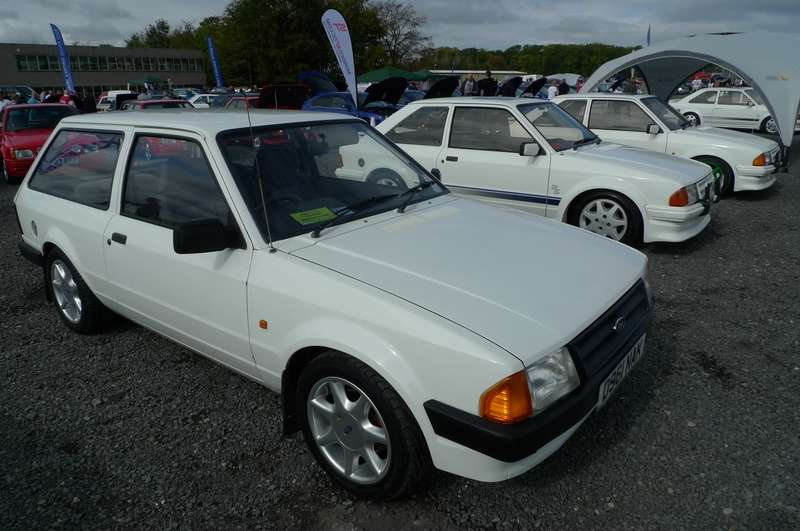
{"x":451,"y":158}
{"x":119,"y":238}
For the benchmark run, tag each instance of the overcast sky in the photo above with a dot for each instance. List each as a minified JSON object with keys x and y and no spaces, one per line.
{"x":461,"y":23}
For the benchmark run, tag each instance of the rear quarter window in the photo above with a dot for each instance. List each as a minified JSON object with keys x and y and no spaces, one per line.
{"x":79,"y":166}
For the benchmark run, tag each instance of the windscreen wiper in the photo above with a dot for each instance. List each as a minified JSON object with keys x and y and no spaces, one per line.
{"x":583,"y":141}
{"x":353,"y":209}
{"x":410,"y":194}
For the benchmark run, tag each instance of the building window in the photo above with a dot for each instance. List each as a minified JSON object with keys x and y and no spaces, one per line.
{"x":55,"y":66}
{"x":22,"y":63}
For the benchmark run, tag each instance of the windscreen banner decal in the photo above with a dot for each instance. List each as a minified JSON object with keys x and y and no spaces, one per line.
{"x":310,"y":217}
{"x":339,"y":37}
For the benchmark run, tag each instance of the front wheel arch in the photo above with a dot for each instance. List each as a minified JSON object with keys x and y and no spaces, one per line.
{"x":729,"y":177}
{"x":572,"y":210}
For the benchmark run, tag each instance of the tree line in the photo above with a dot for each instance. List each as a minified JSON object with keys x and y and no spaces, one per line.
{"x":259,"y":41}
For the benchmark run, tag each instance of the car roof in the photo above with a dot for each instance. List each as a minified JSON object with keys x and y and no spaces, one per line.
{"x":37,"y":105}
{"x":203,"y":121}
{"x":606,"y":96}
{"x":490,"y":100}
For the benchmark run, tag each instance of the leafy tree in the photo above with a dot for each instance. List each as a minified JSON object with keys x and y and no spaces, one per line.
{"x":401,"y":39}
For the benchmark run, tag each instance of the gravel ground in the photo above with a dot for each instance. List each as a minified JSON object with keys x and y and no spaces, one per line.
{"x":126,"y":429}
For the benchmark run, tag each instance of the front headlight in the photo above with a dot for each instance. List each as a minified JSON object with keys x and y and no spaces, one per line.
{"x":551,"y":378}
{"x":23,"y":154}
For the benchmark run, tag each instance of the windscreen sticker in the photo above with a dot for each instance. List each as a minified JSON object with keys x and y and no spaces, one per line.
{"x":310,"y":217}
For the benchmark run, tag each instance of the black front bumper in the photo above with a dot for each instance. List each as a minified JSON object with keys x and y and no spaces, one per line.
{"x":596,"y":352}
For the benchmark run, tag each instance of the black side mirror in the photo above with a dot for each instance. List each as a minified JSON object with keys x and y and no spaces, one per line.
{"x":201,"y":236}
{"x":436,"y":173}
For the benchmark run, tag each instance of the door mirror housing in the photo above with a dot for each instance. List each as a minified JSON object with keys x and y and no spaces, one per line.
{"x":653,"y":129}
{"x":530,"y":149}
{"x":201,"y":236}
{"x":436,"y":173}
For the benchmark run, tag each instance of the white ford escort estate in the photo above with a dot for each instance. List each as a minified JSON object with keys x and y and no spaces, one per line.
{"x":740,"y":161}
{"x":405,"y":329}
{"x":530,"y":154}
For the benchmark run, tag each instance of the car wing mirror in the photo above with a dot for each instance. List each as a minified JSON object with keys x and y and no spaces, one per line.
{"x":436,"y":173}
{"x":530,"y":149}
{"x":653,"y":129}
{"x":201,"y":236}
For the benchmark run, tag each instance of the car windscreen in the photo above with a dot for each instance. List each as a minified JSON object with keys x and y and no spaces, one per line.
{"x":671,"y":118}
{"x":166,"y":105}
{"x":310,"y":174}
{"x":560,"y":129}
{"x":756,"y":98}
{"x":36,"y":117}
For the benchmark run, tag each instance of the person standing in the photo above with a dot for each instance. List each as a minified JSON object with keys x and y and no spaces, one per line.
{"x":579,"y":84}
{"x":563,"y":87}
{"x":487,"y":86}
{"x":33,"y":99}
{"x":468,"y":86}
{"x":4,"y":101}
{"x":552,"y":90}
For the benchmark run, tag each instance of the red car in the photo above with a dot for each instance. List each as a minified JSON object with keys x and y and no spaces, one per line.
{"x":141,"y":105}
{"x":23,"y":131}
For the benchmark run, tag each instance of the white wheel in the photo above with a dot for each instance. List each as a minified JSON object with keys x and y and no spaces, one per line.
{"x":606,"y":217}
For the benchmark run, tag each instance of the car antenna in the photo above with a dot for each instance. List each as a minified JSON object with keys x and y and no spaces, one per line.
{"x":258,"y":176}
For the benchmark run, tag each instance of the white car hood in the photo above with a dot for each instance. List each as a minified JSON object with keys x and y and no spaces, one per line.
{"x":608,"y":157}
{"x":525,"y":283}
{"x":724,"y":138}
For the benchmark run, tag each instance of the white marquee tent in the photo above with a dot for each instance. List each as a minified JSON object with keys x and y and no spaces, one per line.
{"x":767,"y":61}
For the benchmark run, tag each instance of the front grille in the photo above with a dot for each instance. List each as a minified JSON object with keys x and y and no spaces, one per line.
{"x":599,"y":346}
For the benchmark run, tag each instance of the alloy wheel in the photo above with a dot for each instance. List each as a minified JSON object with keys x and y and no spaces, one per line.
{"x":771,"y":127}
{"x":348,"y":430}
{"x":691,"y":118}
{"x":65,"y":291}
{"x":719,"y":178}
{"x":605,"y":217}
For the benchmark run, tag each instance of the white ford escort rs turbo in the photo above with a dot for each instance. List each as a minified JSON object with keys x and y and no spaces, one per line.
{"x":530,"y":154}
{"x":740,"y":161}
{"x":405,"y":330}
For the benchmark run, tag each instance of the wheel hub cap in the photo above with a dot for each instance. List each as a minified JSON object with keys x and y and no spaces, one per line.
{"x":65,"y":291}
{"x":348,"y":430}
{"x":605,"y":217}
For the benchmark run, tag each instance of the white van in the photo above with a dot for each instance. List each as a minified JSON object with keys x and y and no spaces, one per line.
{"x":106,"y":103}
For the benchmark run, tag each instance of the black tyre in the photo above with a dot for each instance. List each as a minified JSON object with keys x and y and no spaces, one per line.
{"x":723,"y":174}
{"x":359,"y":430}
{"x":8,"y":179}
{"x":77,"y":306}
{"x":386,"y":177}
{"x":769,"y":126}
{"x":609,"y":214}
{"x":693,"y":118}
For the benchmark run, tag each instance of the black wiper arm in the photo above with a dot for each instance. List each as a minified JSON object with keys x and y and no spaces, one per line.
{"x":410,"y":194}
{"x":351,"y":210}
{"x":583,"y":141}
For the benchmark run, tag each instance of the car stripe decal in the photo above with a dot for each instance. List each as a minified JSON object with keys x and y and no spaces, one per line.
{"x":499,"y":194}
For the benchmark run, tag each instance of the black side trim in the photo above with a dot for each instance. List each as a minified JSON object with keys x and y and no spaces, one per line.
{"x":512,"y":442}
{"x":31,"y":253}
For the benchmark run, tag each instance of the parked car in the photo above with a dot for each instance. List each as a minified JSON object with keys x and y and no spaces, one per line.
{"x":107,"y":101}
{"x":149,"y":105}
{"x":736,"y":108}
{"x":342,"y":103}
{"x":359,"y":303}
{"x":530,"y":154}
{"x":238,"y":103}
{"x":202,"y":101}
{"x":740,"y":161}
{"x":184,"y":93}
{"x":23,"y":131}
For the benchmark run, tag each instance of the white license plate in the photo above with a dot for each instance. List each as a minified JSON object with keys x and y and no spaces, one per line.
{"x":620,"y":371}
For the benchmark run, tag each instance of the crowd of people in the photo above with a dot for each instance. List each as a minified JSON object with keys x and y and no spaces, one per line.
{"x":84,"y":105}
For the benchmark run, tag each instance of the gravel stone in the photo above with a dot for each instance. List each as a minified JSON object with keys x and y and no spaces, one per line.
{"x":127,"y":430}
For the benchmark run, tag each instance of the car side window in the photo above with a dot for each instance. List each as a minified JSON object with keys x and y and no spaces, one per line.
{"x":732,"y":97}
{"x":423,"y":127}
{"x":169,"y":181}
{"x":574,"y":107}
{"x":618,"y":116}
{"x":487,"y":129}
{"x":708,"y":97}
{"x":79,"y":166}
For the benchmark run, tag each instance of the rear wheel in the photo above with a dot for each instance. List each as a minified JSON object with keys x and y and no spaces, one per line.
{"x":692,"y":118}
{"x":8,"y":179}
{"x":608,"y":214}
{"x":77,"y":306}
{"x":359,"y":430}
{"x":723,"y":175}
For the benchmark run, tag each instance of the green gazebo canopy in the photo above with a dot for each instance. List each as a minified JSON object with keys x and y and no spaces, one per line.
{"x":389,"y":71}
